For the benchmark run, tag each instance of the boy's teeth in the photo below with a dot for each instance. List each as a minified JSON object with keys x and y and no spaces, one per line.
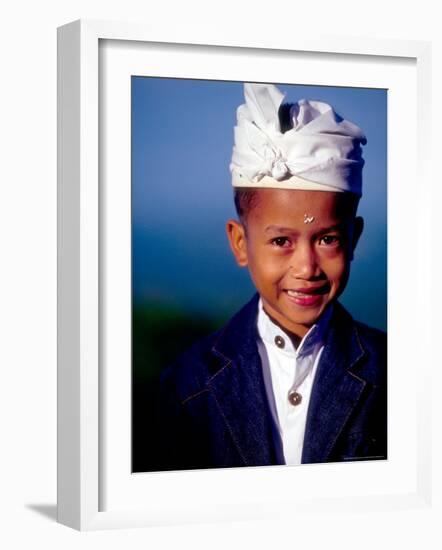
{"x":296,"y":293}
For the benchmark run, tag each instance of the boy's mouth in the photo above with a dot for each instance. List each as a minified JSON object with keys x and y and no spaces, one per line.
{"x":303,"y":292}
{"x":307,"y":297}
{"x":298,"y":293}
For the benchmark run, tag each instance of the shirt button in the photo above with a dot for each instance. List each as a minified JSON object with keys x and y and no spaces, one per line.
{"x":295,"y":398}
{"x":279,"y":341}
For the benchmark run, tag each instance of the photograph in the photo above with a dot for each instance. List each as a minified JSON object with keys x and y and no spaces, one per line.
{"x":259,"y":274}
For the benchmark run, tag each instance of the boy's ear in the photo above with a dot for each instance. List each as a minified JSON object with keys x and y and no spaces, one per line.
{"x":357,"y":232}
{"x":237,"y":240}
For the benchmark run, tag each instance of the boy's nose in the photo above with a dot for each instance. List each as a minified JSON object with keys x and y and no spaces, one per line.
{"x":304,"y":263}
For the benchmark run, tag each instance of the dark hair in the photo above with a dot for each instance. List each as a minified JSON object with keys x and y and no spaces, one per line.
{"x":285,"y":118}
{"x":245,"y":199}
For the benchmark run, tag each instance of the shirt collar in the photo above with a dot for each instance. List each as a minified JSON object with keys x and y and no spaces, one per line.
{"x":270,"y":332}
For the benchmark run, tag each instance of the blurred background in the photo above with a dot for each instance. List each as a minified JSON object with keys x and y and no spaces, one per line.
{"x":185,"y":283}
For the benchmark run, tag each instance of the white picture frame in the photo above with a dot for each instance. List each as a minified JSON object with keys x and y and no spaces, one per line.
{"x":82,"y":393}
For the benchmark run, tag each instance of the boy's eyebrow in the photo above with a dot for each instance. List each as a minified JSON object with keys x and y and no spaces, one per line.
{"x":336,"y":227}
{"x":281,"y":229}
{"x":278,"y":229}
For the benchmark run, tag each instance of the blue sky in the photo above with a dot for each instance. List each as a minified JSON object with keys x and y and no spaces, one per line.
{"x":182,"y":138}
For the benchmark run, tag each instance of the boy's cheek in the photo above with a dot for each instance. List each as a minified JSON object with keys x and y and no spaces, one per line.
{"x":336,"y":262}
{"x":337,"y":253}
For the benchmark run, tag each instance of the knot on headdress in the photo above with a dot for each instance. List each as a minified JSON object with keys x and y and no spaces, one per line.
{"x":279,"y":169}
{"x":272,"y":164}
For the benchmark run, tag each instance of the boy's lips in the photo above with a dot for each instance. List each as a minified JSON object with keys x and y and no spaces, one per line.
{"x":307,"y":296}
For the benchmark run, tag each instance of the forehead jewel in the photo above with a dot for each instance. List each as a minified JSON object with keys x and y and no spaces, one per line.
{"x":304,"y":145}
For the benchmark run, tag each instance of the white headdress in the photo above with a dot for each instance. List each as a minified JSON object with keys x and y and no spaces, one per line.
{"x":321,"y":151}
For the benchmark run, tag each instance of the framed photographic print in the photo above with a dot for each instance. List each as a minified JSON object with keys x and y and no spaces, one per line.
{"x":146,"y":130}
{"x":186,"y":285}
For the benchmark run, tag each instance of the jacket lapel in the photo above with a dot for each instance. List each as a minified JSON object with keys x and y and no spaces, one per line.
{"x":336,"y":389}
{"x":239,"y":391}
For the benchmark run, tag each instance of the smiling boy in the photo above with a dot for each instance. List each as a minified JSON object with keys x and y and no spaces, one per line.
{"x":299,"y":263}
{"x":292,"y":378}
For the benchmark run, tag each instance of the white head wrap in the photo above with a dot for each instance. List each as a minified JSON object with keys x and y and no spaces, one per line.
{"x":321,"y":151}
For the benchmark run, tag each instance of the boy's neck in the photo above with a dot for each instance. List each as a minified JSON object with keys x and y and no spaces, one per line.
{"x":296,"y":338}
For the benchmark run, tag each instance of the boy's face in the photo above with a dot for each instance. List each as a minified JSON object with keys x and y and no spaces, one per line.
{"x":298,"y":268}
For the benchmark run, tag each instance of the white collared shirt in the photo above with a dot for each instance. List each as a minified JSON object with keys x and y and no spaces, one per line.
{"x":290,"y":370}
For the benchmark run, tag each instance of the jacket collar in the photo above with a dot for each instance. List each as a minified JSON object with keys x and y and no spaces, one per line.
{"x":239,"y":390}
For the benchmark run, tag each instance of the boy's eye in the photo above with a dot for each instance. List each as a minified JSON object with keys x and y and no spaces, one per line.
{"x":330,"y":240}
{"x":281,"y":241}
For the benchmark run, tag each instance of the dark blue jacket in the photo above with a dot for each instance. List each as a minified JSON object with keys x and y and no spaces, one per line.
{"x":213,"y":410}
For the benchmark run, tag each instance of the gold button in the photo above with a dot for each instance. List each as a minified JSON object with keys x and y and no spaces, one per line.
{"x":279,"y":341}
{"x":295,"y":398}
